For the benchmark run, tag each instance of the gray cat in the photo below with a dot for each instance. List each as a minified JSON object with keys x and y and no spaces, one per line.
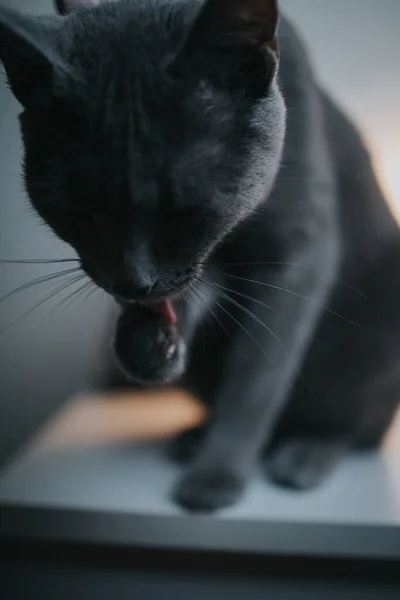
{"x":210,"y":186}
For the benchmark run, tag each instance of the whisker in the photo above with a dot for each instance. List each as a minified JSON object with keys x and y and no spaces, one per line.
{"x":293,"y":264}
{"x":28,"y":312}
{"x":201,"y":319}
{"x":65,"y":300}
{"x":216,"y":318}
{"x":37,"y":261}
{"x":79,"y":293}
{"x":226,"y":289}
{"x":258,"y":345}
{"x":95,"y":288}
{"x":181,"y":297}
{"x":91,"y":290}
{"x":270,"y":331}
{"x":297,"y":295}
{"x":42,"y":279}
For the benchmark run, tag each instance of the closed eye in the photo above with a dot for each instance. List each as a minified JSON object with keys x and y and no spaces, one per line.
{"x":77,"y":217}
{"x":75,"y":211}
{"x":203,"y":213}
{"x":181,"y":213}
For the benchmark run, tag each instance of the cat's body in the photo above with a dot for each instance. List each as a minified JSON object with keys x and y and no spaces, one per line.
{"x":289,"y":323}
{"x":346,"y":388}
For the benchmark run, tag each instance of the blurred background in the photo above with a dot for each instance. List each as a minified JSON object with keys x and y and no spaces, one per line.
{"x":55,"y":350}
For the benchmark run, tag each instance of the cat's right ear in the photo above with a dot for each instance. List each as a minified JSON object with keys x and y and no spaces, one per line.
{"x":65,"y":7}
{"x":226,"y":24}
{"x":31,"y":62}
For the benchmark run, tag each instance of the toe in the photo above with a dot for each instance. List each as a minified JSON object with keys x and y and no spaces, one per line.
{"x":208,"y":490}
{"x":303,"y":464}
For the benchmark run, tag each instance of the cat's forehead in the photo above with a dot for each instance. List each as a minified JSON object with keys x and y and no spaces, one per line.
{"x":129,"y":35}
{"x":122,"y":52}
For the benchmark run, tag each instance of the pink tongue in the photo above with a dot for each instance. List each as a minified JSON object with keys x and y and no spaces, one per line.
{"x":166,"y":310}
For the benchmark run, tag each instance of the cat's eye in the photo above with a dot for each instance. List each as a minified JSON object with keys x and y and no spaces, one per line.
{"x":181,"y":213}
{"x":76,"y":212}
{"x":78,"y":216}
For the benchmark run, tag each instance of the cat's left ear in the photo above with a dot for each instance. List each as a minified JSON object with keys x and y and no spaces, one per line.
{"x":31,"y":62}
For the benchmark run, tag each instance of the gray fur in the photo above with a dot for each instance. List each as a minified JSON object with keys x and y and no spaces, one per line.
{"x":172,"y":166}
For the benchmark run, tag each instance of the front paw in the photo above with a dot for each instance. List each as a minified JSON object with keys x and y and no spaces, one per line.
{"x":148,"y":349}
{"x":207,"y":490}
{"x":304,"y":463}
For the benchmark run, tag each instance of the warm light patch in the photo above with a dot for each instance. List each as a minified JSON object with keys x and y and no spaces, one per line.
{"x":389,"y":175}
{"x":120,"y":417}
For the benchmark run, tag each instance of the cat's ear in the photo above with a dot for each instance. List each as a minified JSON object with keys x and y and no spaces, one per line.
{"x":231,"y":23}
{"x":31,"y":62}
{"x":64,"y":7}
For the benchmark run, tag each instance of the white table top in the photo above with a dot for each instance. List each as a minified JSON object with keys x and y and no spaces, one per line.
{"x":356,"y":512}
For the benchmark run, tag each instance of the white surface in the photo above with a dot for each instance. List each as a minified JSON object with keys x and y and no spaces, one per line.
{"x":364,"y":490}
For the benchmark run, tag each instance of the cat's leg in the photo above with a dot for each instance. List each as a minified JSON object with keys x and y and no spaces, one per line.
{"x":186,"y":445}
{"x":304,"y":463}
{"x":353,"y":371}
{"x":257,"y":375}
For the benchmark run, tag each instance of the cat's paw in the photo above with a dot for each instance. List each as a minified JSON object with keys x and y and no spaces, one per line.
{"x":208,"y":490}
{"x":303,"y":463}
{"x":148,"y":348}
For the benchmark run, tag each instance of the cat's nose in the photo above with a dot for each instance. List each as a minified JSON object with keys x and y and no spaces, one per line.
{"x":137,"y":275}
{"x":130,"y":290}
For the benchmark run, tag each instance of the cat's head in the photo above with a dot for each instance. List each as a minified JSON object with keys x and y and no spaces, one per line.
{"x":151,"y":129}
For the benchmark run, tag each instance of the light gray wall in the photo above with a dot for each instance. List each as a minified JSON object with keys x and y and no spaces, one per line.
{"x":355,"y":46}
{"x":42,"y":360}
